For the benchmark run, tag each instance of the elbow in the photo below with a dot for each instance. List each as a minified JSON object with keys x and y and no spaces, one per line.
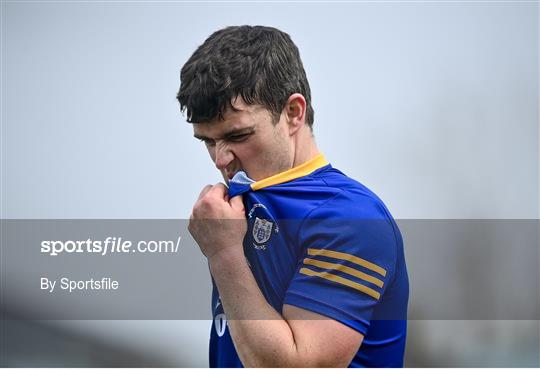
{"x":273,"y":359}
{"x":269,"y":360}
{"x":280,"y":360}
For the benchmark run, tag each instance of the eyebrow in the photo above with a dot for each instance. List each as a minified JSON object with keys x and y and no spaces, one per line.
{"x":233,"y":132}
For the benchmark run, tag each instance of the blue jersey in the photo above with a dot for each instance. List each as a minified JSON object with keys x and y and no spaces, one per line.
{"x":323,"y":242}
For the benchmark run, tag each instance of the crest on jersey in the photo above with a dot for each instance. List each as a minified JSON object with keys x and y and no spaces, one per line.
{"x":262,"y":230}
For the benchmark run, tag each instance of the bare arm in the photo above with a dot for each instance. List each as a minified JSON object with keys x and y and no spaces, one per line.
{"x":263,"y":337}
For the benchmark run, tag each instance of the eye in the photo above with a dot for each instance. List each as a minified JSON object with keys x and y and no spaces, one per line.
{"x":239,"y":138}
{"x":209,"y":143}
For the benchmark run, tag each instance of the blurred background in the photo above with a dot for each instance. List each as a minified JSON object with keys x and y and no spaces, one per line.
{"x":433,"y":105}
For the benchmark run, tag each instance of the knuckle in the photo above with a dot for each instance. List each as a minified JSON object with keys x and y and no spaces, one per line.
{"x":202,"y":203}
{"x":205,"y":202}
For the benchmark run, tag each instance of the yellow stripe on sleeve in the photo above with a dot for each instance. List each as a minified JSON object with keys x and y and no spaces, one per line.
{"x":348,"y":257}
{"x":344,"y":281}
{"x":345,"y":269}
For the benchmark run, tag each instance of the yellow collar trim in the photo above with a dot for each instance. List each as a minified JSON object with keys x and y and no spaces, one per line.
{"x":301,"y":170}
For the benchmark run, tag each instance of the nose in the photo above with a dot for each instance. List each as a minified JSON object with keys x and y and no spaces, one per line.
{"x":223,"y":157}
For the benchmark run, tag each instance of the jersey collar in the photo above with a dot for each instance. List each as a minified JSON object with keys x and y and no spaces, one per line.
{"x":239,"y":185}
{"x":301,"y":170}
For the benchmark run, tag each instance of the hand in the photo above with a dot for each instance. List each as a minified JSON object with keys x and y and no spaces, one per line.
{"x":218,"y":223}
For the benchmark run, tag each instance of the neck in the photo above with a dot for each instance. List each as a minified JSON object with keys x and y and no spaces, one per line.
{"x":305,"y":148}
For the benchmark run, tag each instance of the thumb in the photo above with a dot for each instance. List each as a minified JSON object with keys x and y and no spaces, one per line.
{"x":237,"y":203}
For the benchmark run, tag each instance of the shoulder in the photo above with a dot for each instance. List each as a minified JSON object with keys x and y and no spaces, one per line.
{"x":350,"y":199}
{"x":354,"y":221}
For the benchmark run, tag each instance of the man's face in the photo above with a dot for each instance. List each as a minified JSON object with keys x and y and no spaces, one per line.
{"x":247,"y":140}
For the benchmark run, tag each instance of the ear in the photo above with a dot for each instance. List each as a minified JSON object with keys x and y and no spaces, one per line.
{"x":295,"y":111}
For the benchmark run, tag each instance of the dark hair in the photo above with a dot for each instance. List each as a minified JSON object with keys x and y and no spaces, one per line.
{"x":260,"y":64}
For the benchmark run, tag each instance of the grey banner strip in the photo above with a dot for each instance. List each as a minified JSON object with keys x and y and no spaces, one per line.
{"x":152,"y":269}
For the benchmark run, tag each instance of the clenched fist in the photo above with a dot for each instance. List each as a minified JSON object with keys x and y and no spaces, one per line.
{"x":218,"y":223}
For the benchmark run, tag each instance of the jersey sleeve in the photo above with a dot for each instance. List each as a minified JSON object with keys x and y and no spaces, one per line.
{"x":347,"y":260}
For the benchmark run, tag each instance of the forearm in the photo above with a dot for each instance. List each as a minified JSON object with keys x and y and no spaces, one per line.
{"x":260,"y":334}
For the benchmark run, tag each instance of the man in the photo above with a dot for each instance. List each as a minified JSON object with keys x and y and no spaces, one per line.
{"x":307,"y":264}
